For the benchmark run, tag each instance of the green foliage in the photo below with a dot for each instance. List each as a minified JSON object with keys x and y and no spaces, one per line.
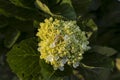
{"x":104,"y":50}
{"x":47,"y":70}
{"x":18,"y":12}
{"x":99,"y":18}
{"x":24,"y":60}
{"x":16,"y":23}
{"x":98,"y":60}
{"x":11,"y":36}
{"x":81,"y":6}
{"x":95,"y":73}
{"x":43,"y":7}
{"x":64,"y":8}
{"x":91,"y":24}
{"x":29,"y":4}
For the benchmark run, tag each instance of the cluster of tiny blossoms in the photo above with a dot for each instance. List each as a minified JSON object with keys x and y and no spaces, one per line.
{"x":62,"y":42}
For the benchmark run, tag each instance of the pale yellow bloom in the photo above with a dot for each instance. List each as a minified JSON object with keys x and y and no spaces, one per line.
{"x":62,"y":42}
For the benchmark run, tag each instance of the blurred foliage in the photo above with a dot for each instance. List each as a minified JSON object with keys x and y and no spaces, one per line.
{"x":18,"y":24}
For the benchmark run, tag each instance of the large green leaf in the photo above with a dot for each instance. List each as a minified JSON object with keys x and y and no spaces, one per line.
{"x":18,"y":12}
{"x":104,"y":50}
{"x":57,"y":8}
{"x":64,"y":8}
{"x":23,"y":26}
{"x":98,"y":60}
{"x":24,"y":3}
{"x":47,"y":70}
{"x":81,"y":6}
{"x":23,"y":59}
{"x":95,"y":73}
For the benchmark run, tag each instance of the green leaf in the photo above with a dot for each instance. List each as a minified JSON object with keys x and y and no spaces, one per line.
{"x":2,"y":12}
{"x":67,"y":71}
{"x":23,"y":59}
{"x":91,"y":24}
{"x":29,"y":4}
{"x":17,"y":3}
{"x":81,"y":6}
{"x":22,"y":26}
{"x":109,"y":37}
{"x":11,"y":37}
{"x":43,"y":7}
{"x":96,"y":73}
{"x":57,"y":8}
{"x":98,"y":60}
{"x":18,"y":12}
{"x":104,"y":50}
{"x":87,"y":24}
{"x":47,"y":70}
{"x":64,"y":8}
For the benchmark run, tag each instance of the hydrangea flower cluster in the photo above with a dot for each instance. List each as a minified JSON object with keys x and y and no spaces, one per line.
{"x":62,"y":42}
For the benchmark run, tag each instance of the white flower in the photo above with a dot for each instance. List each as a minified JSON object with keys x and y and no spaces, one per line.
{"x":66,"y":37}
{"x":50,"y":58}
{"x":76,"y":64}
{"x":63,"y":61}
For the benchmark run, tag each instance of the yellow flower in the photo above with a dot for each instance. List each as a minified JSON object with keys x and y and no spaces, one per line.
{"x":62,"y":42}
